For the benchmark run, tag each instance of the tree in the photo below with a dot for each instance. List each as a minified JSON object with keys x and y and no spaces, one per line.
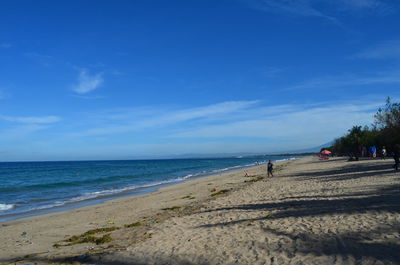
{"x":385,"y":131}
{"x":387,"y":123}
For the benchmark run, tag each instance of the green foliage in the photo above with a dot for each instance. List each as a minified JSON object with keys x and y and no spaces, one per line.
{"x":385,"y":131}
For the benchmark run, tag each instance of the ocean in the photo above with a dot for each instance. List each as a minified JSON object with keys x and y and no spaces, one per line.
{"x":34,"y":188}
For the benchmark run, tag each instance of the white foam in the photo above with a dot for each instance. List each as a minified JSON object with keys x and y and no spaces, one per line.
{"x":286,"y":159}
{"x":5,"y":207}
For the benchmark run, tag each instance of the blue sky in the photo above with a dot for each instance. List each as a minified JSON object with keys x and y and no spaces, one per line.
{"x":131,"y":79}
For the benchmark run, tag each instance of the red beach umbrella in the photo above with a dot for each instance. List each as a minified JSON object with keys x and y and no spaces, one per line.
{"x":326,"y":152}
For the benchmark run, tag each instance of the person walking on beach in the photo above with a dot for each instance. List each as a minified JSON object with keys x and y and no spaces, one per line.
{"x":270,"y":168}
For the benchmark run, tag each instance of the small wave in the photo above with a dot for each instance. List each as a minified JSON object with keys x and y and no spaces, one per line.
{"x":286,"y":159}
{"x":5,"y":207}
{"x":65,"y":184}
{"x":103,"y":193}
{"x":90,"y":196}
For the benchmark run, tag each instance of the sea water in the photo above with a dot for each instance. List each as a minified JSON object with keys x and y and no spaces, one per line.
{"x":32,"y":188}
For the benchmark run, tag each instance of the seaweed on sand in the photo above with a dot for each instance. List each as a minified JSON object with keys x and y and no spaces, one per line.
{"x":219,"y":192}
{"x":88,"y":237}
{"x":172,"y":208}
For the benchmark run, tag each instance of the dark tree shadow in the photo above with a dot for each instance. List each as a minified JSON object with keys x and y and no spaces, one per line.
{"x":354,"y":171}
{"x":114,"y":260}
{"x":385,"y":200}
{"x":355,"y":244}
{"x":360,"y":245}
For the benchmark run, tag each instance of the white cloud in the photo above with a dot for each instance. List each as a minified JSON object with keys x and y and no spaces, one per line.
{"x":31,"y":120}
{"x":383,"y":50}
{"x":87,"y":82}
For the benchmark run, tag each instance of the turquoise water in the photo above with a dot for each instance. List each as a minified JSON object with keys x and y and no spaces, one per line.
{"x":31,"y":188}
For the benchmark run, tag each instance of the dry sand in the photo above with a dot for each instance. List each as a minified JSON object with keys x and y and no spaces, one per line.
{"x":310,"y":212}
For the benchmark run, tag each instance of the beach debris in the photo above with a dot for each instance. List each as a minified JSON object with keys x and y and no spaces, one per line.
{"x":219,"y":193}
{"x":24,"y":234}
{"x":172,"y":208}
{"x":188,"y":197}
{"x":255,"y":178}
{"x":134,"y":224}
{"x":110,"y":222}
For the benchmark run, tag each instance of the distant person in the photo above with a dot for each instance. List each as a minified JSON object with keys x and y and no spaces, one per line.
{"x":364,"y":151}
{"x":396,"y":156}
{"x":373,"y":151}
{"x":383,"y":153}
{"x":270,"y":168}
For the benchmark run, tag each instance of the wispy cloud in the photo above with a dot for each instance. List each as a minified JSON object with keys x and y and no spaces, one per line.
{"x":5,"y":45}
{"x":233,"y":126}
{"x":3,"y":95}
{"x":303,"y":122}
{"x":272,"y":71}
{"x":42,"y":59}
{"x":316,"y":8}
{"x":293,"y":7}
{"x":390,"y":77}
{"x":295,"y":126}
{"x":136,"y":119}
{"x":384,"y":50}
{"x":87,"y":82}
{"x":31,"y":120}
{"x":361,"y":4}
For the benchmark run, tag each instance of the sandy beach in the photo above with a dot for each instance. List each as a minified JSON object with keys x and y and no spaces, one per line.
{"x":310,"y":212}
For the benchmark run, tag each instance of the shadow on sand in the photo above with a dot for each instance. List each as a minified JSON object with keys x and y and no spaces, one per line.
{"x":380,"y":199}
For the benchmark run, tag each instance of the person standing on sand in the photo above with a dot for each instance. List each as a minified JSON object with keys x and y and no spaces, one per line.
{"x":396,"y":156}
{"x":383,"y":152}
{"x":270,"y":168}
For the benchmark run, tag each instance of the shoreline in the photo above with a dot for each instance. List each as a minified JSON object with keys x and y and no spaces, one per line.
{"x":310,"y":212}
{"x":148,"y":188}
{"x":55,"y":226}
